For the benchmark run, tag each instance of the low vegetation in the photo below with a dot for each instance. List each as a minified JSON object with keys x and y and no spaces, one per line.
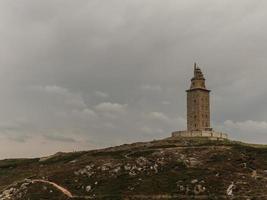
{"x":164,"y":169}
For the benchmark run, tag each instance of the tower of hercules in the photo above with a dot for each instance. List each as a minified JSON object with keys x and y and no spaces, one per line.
{"x":198,"y":111}
{"x":198,"y":103}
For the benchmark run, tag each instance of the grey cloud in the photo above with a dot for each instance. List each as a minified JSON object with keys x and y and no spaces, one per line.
{"x":155,"y":88}
{"x":101,"y":94}
{"x":73,"y":66}
{"x":111,"y":107}
{"x":247,"y":130}
{"x":59,"y":138}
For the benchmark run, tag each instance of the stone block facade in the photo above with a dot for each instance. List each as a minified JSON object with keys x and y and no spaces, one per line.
{"x":198,"y":103}
{"x":198,"y":110}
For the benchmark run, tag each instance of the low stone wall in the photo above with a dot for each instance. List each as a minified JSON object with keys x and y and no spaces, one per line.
{"x":208,"y":134}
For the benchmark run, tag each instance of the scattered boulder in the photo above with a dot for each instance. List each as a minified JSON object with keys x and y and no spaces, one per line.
{"x":198,"y":189}
{"x":88,"y":188}
{"x":230,"y":189}
{"x":254,"y":174}
{"x":194,"y":181}
{"x":191,"y":162}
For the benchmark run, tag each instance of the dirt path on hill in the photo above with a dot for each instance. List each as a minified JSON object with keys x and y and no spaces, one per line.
{"x":60,"y":188}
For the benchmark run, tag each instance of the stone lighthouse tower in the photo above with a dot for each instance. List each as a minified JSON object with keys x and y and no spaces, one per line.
{"x":198,"y":103}
{"x":198,"y":111}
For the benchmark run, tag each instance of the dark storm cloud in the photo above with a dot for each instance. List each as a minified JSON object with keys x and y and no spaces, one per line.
{"x":110,"y":72}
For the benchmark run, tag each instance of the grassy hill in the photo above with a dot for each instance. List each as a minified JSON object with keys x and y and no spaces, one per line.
{"x":164,"y":169}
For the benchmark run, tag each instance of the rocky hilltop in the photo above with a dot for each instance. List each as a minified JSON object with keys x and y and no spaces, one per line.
{"x":165,"y":169}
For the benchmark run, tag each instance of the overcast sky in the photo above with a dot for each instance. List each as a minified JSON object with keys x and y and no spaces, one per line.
{"x":88,"y":74}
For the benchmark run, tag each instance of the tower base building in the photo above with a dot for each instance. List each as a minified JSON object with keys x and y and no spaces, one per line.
{"x":198,"y":110}
{"x":212,"y":135}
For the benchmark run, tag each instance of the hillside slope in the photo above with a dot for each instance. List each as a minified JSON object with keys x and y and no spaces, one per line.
{"x":164,"y":169}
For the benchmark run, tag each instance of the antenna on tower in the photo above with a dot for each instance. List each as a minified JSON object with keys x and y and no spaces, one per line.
{"x":195,"y":69}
